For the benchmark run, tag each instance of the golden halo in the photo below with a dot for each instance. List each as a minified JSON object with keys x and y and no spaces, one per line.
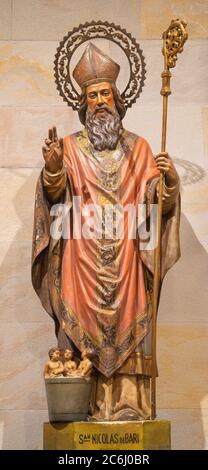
{"x":88,"y":32}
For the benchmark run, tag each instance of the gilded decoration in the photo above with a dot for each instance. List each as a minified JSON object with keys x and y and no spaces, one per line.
{"x":87,"y":32}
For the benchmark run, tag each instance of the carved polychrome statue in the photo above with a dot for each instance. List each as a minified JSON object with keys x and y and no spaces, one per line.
{"x":85,"y":366}
{"x":98,"y":290}
{"x":54,"y":367}
{"x":70,"y":367}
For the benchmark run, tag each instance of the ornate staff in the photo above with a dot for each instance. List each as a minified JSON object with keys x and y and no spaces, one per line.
{"x":173,"y":40}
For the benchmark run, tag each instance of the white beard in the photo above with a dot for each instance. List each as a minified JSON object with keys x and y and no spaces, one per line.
{"x":104,"y":129}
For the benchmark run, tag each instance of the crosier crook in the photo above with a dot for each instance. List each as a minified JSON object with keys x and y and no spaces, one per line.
{"x":173,"y":40}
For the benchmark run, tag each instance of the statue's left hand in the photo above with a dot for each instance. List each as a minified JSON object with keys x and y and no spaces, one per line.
{"x":165,"y":164}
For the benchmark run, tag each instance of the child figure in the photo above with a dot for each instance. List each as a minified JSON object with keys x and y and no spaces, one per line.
{"x":85,"y":366}
{"x":54,"y":367}
{"x":70,"y":366}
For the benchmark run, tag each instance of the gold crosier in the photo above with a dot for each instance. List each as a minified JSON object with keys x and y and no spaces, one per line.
{"x":173,"y":40}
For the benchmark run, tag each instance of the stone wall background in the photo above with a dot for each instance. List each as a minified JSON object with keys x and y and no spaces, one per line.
{"x":30,"y":31}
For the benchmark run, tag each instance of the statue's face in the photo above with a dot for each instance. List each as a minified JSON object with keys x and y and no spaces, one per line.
{"x":84,"y":354}
{"x":68,"y":354}
{"x":56,"y":355}
{"x":100,"y":95}
{"x":102,"y":121}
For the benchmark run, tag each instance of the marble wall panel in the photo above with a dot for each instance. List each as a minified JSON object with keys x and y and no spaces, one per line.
{"x":183,"y":122}
{"x":22,"y":429}
{"x":24,"y":351}
{"x":18,"y":300}
{"x":26,"y":73}
{"x":189,"y":428}
{"x":5,"y":19}
{"x":205,"y":246}
{"x":199,"y":221}
{"x":17,"y":203}
{"x":52,"y":19}
{"x":23,"y":130}
{"x":182,"y":363}
{"x":184,"y":295}
{"x":195,"y":206}
{"x":205,"y":129}
{"x":156,"y":16}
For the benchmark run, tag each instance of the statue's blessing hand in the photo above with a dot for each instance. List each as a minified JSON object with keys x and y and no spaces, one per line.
{"x":53,"y":151}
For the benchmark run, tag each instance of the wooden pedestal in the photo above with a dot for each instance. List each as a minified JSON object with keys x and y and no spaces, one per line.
{"x":129,"y":435}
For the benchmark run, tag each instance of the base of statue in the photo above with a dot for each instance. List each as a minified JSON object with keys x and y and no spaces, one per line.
{"x":129,"y":435}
